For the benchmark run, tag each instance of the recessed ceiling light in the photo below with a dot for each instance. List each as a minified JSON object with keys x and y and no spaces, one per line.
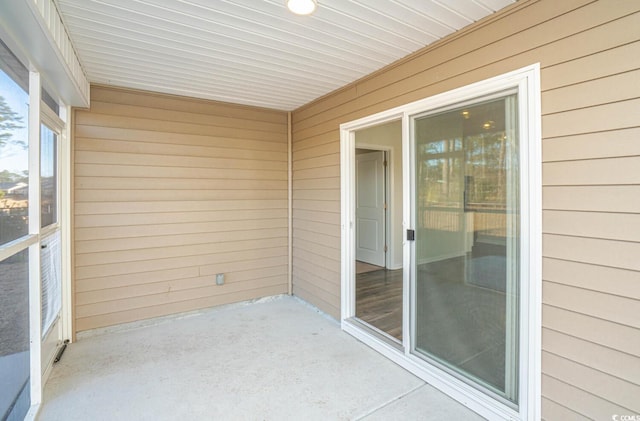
{"x":489,"y":125}
{"x":302,"y":7}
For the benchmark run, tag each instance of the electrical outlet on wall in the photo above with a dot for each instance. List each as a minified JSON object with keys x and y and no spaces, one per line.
{"x":220,"y":279}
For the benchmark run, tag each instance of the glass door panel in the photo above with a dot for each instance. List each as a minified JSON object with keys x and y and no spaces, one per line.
{"x":466,"y":248}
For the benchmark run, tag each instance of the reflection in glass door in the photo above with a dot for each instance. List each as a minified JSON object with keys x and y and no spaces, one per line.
{"x":466,"y":243}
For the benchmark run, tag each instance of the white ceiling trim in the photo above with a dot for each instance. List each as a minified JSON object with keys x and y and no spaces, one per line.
{"x":254,"y":52}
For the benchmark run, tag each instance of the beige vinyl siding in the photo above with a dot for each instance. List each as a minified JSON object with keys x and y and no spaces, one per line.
{"x":589,"y":53}
{"x":168,"y":192}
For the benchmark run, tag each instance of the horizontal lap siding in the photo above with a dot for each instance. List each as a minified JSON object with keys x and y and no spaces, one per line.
{"x":168,"y":192}
{"x":589,"y":52}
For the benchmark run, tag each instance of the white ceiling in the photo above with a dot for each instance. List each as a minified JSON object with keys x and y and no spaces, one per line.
{"x":254,"y":52}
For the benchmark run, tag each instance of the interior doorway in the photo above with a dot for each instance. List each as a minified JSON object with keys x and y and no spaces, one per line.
{"x":378,"y":229}
{"x":371,"y":209}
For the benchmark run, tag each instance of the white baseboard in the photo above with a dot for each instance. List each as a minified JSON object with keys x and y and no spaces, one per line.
{"x":441,"y":257}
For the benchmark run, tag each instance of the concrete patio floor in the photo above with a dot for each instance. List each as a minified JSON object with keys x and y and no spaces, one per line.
{"x":274,"y":359}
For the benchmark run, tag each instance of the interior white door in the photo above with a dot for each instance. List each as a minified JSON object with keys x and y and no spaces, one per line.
{"x":370,"y":198}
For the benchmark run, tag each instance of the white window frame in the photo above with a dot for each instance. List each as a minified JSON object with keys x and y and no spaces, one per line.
{"x":50,"y":119}
{"x":35,"y":297}
{"x":64,"y":219}
{"x":57,"y":125}
{"x":30,"y":39}
{"x":40,"y":113}
{"x":527,"y":83}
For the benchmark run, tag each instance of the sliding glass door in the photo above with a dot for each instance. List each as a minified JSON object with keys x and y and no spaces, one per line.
{"x":471,"y":244}
{"x":466,"y":204}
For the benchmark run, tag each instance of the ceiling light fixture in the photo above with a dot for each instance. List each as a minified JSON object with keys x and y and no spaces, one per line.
{"x":489,"y":125}
{"x":302,"y":7}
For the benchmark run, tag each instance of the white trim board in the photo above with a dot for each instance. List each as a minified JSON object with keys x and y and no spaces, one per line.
{"x":526,"y":82}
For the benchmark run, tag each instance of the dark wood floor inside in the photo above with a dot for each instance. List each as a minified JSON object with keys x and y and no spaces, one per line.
{"x":379,"y":300}
{"x":460,"y":311}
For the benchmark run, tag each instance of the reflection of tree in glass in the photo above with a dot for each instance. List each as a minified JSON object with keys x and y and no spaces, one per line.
{"x":9,"y":121}
{"x":7,"y":176}
{"x":13,"y":195}
{"x":487,"y":163}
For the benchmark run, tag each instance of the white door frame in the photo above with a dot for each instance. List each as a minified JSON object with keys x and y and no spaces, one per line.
{"x":55,"y":334}
{"x":527,"y":83}
{"x":388,"y":194}
{"x":385,"y":220}
{"x":347,"y":203}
